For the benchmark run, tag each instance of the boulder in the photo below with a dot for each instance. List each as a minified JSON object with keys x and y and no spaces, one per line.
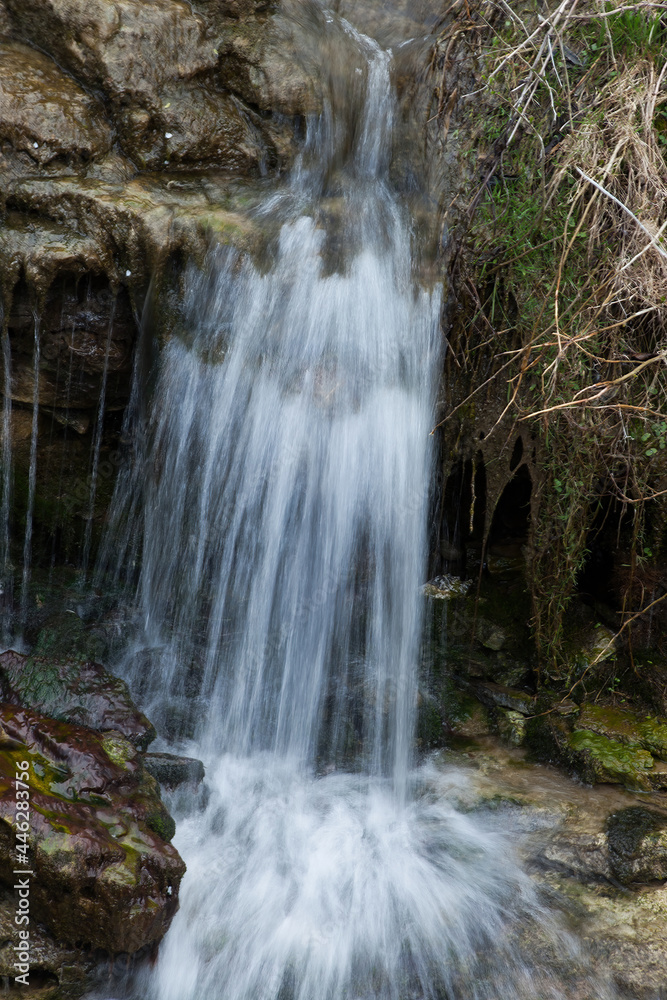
{"x":170,"y":770}
{"x":104,"y":874}
{"x":598,"y":759}
{"x":626,"y":726}
{"x":71,"y":691}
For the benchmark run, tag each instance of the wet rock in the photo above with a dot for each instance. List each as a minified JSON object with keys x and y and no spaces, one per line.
{"x":76,"y":692}
{"x":511,"y":698}
{"x":625,"y":935}
{"x":44,"y":114}
{"x":64,"y":636}
{"x":627,"y":727}
{"x":59,"y":969}
{"x":637,"y":841}
{"x":445,"y":587}
{"x":203,"y":126}
{"x":558,"y":737}
{"x":582,"y":856}
{"x":104,"y":875}
{"x":599,"y":759}
{"x":512,"y":727}
{"x":166,"y":71}
{"x":86,"y":336}
{"x":170,"y":770}
{"x":125,"y":230}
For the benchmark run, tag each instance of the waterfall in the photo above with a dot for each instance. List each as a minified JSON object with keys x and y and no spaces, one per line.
{"x":282,"y":550}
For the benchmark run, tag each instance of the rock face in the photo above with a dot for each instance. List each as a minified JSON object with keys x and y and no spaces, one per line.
{"x":130,"y":133}
{"x":44,"y":114}
{"x":105,"y":876}
{"x":180,"y":84}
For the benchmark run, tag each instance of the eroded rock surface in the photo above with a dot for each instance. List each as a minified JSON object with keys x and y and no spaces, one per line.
{"x":599,"y":853}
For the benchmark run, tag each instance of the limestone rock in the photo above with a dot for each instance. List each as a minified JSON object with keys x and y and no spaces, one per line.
{"x":104,"y":875}
{"x":44,"y":114}
{"x":82,"y":693}
{"x":126,"y":48}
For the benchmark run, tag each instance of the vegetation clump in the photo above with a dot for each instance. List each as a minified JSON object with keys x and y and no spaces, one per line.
{"x":558,"y":268}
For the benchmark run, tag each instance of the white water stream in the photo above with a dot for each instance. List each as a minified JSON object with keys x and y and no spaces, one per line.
{"x":283,"y":552}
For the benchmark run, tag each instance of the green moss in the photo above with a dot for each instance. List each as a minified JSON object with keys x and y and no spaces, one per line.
{"x":626,"y":727}
{"x":118,"y":750}
{"x":160,"y":822}
{"x":605,"y":760}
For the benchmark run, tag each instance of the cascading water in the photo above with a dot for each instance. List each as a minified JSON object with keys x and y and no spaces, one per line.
{"x":283,"y":550}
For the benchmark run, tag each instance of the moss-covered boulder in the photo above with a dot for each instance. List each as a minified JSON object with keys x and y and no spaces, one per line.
{"x":626,"y":726}
{"x":104,"y":874}
{"x":595,"y":755}
{"x":598,"y":759}
{"x":637,"y":841}
{"x":82,"y":693}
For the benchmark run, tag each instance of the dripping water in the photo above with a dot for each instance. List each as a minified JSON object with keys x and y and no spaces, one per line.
{"x":97,"y":444}
{"x":5,"y":554}
{"x":32,"y":475}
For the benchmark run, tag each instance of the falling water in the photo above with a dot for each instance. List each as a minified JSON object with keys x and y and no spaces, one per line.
{"x":5,"y":555}
{"x":97,"y":444}
{"x":283,"y":549}
{"x":32,"y":475}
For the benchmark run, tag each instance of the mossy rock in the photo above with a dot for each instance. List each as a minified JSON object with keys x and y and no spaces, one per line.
{"x":511,"y":726}
{"x":626,"y":727}
{"x":82,"y":693}
{"x":65,"y":636}
{"x":637,"y":840}
{"x":104,"y":875}
{"x":597,"y":759}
